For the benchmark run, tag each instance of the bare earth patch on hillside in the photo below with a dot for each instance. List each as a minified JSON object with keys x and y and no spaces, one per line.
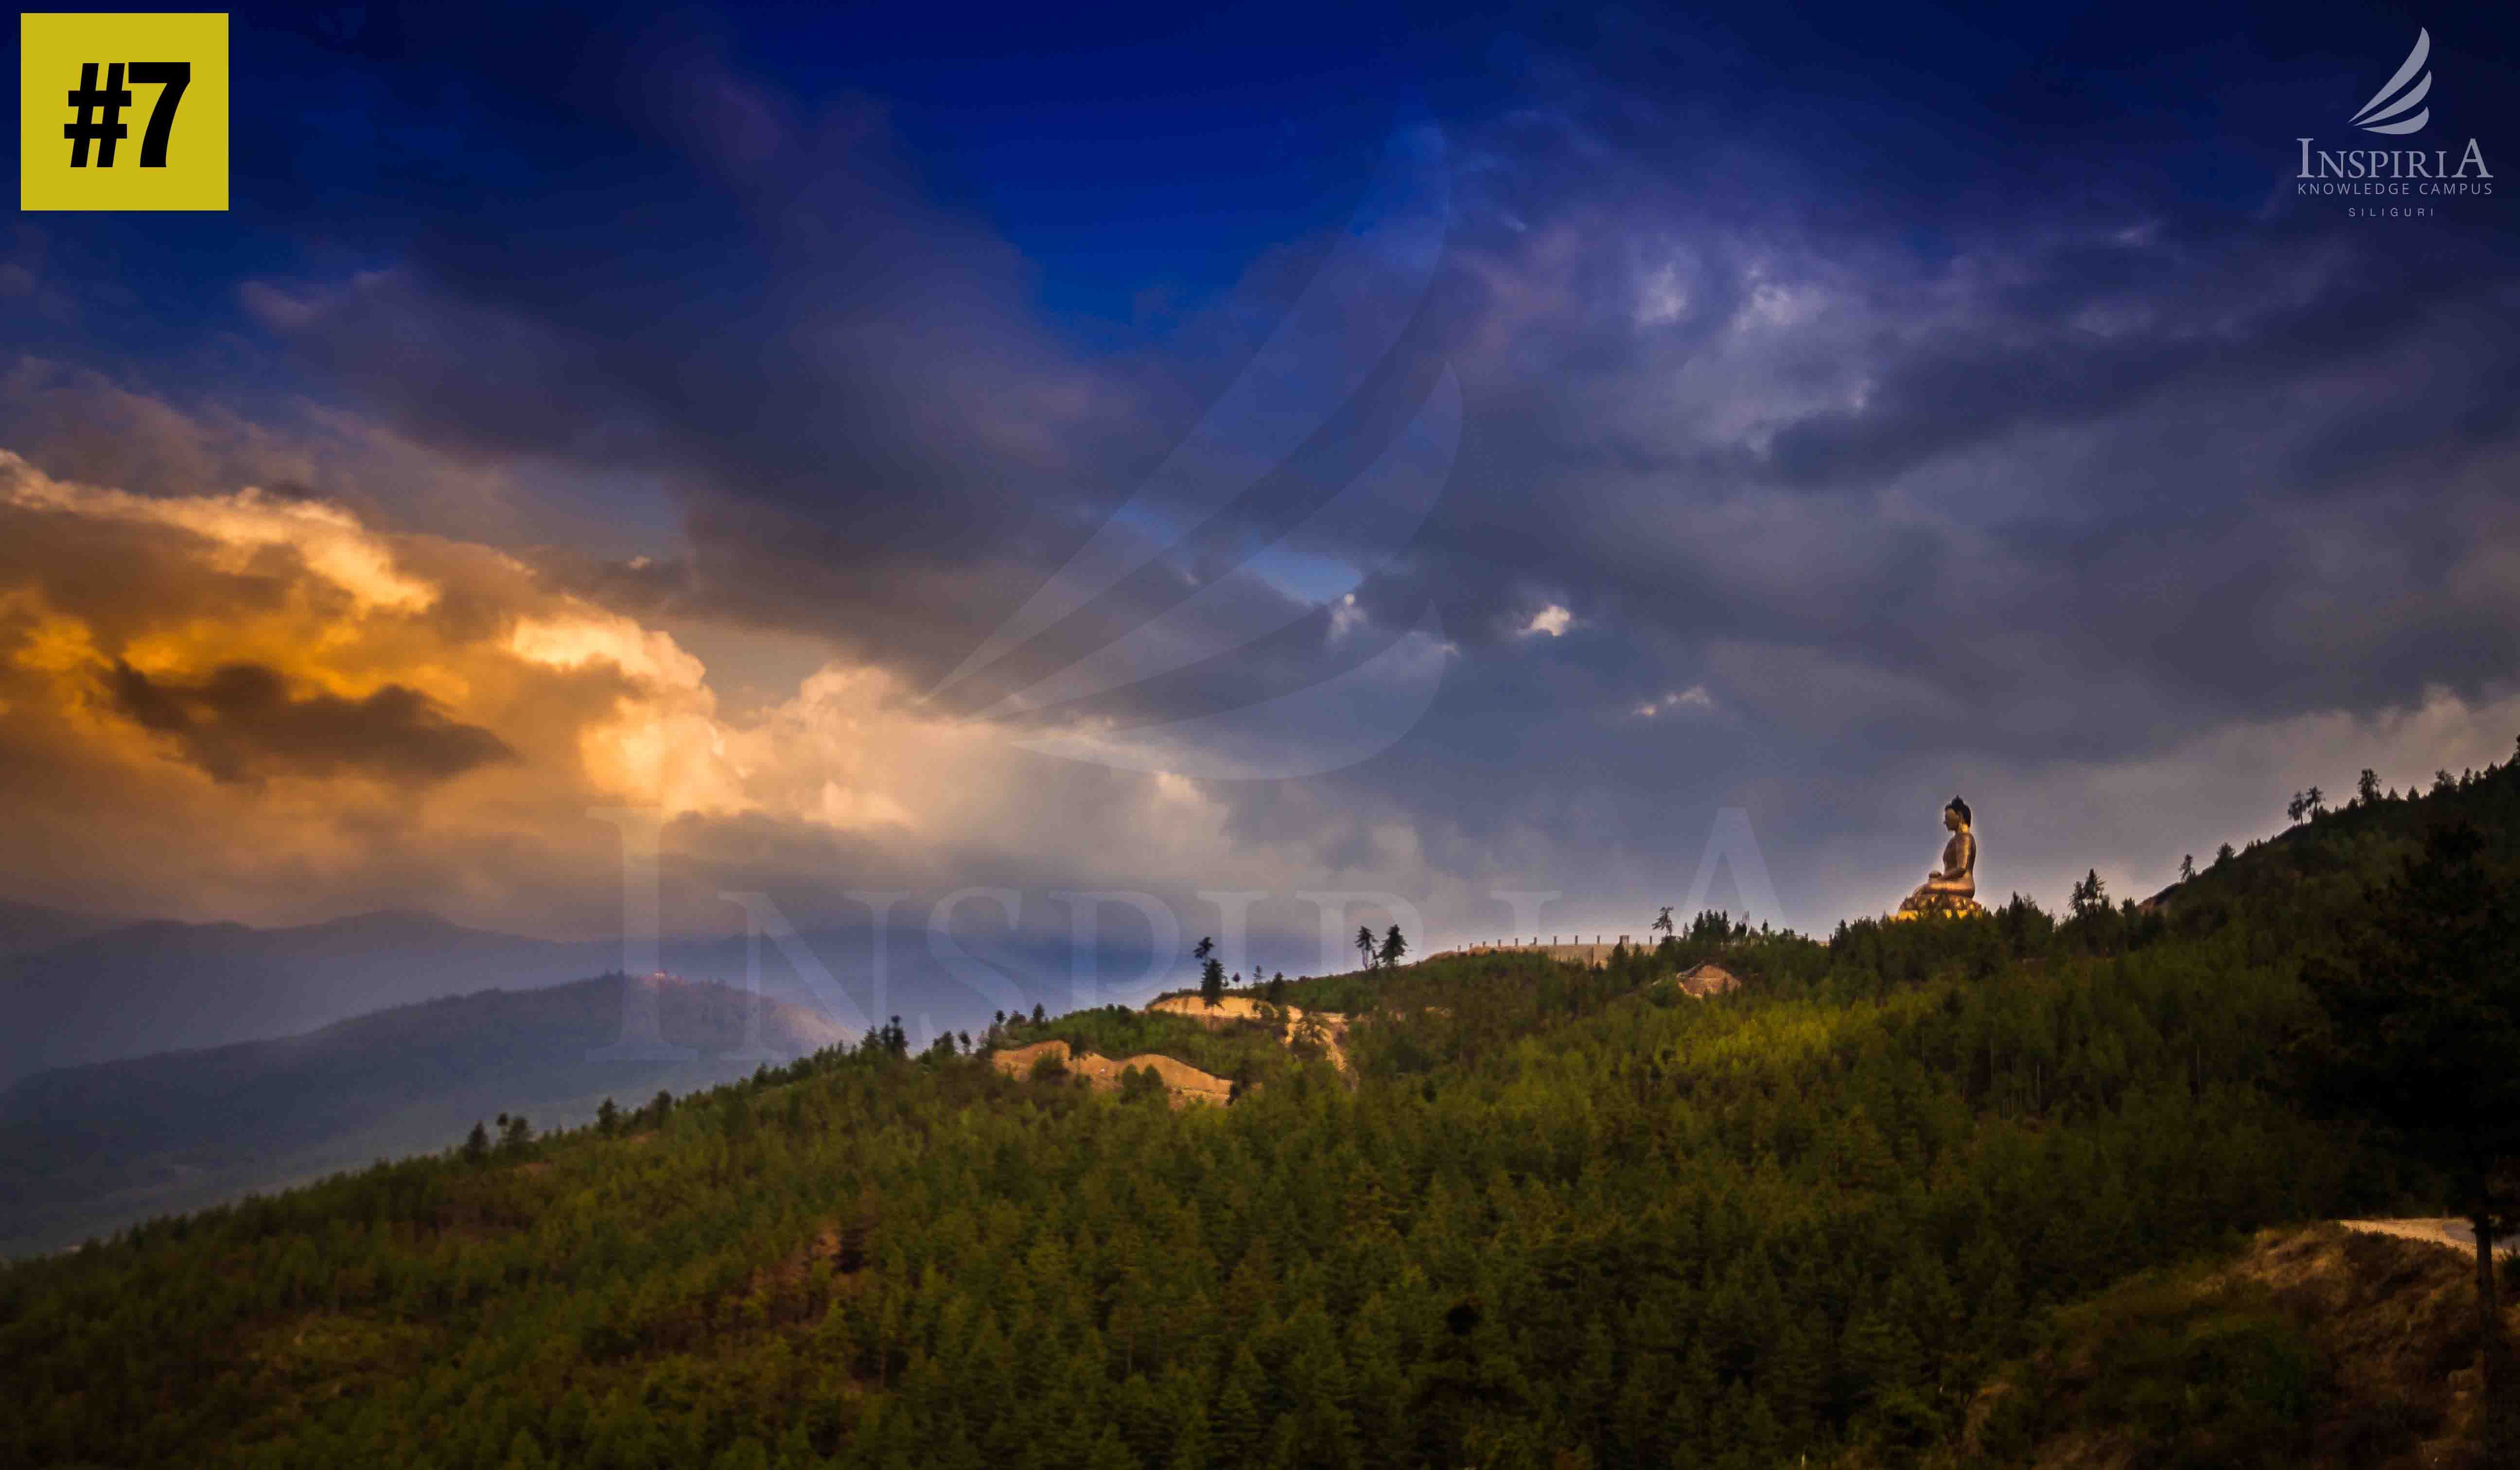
{"x":2318,"y":1347}
{"x":1708,"y":979}
{"x":1331,"y":1024}
{"x":1184,"y":1082}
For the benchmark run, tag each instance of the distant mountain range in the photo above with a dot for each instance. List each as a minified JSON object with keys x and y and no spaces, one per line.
{"x":85,"y":1149}
{"x":76,"y":989}
{"x":39,"y":927}
{"x":153,"y":1066}
{"x":157,"y":986}
{"x":158,"y":1066}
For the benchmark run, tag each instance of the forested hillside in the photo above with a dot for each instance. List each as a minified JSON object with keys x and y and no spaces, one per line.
{"x":1553,"y":1215}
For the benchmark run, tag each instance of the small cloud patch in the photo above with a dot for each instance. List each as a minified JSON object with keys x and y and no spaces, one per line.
{"x":1692,"y":697}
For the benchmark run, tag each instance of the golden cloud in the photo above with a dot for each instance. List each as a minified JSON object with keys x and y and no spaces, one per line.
{"x":273,"y":692}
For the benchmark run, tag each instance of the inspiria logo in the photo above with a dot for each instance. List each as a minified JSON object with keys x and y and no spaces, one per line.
{"x":2397,"y":109}
{"x":2374,"y":118}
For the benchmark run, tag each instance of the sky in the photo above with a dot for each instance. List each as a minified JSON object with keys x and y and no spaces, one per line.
{"x":1417,"y":459}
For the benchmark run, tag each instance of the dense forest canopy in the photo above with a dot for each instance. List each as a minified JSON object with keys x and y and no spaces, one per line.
{"x":1548,"y":1214}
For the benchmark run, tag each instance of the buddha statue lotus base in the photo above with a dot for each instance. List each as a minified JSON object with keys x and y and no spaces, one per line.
{"x":1951,"y":905}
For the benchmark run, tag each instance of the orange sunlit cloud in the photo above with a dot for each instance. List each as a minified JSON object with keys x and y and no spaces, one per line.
{"x":255,"y":706}
{"x":217,"y":695}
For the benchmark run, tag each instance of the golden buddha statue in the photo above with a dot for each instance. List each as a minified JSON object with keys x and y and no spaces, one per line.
{"x":1952,"y":887}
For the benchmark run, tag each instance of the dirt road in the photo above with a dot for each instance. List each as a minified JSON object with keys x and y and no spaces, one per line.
{"x":2453,"y":1233}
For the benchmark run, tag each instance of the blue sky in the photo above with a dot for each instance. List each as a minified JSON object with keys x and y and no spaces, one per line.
{"x":1854,"y":403}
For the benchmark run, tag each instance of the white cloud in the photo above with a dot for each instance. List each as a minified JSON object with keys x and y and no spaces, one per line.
{"x":1552,"y":620}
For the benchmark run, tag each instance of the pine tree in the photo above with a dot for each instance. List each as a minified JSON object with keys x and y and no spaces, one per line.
{"x":1140,"y":1419}
{"x":1696,"y":1405}
{"x":1880,"y":1357}
{"x":1235,"y":1425}
{"x":1110,"y":1452}
{"x":1211,"y":971}
{"x":1653,"y":1420}
{"x":1192,"y":1448}
{"x":1374,"y":1391}
{"x":1755,"y":1430}
{"x":1793,"y":1373}
{"x":1592,"y":1392}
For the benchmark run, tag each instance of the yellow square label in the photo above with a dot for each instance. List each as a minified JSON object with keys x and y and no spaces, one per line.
{"x":122,"y":112}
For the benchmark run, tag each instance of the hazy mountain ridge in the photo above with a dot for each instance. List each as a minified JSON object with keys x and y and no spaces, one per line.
{"x":85,"y":1148}
{"x":26,"y":928}
{"x":164,"y":985}
{"x":142,"y":987}
{"x":311,"y":1042}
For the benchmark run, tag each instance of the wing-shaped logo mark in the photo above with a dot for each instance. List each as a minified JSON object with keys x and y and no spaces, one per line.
{"x":2391,"y":102}
{"x":1349,"y":322}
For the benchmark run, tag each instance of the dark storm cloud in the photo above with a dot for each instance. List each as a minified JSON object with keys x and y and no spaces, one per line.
{"x":750,"y":300}
{"x":240,"y":723}
{"x":2040,"y":466}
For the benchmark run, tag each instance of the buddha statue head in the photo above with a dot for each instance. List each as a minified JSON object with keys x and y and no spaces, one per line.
{"x":1955,"y":814}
